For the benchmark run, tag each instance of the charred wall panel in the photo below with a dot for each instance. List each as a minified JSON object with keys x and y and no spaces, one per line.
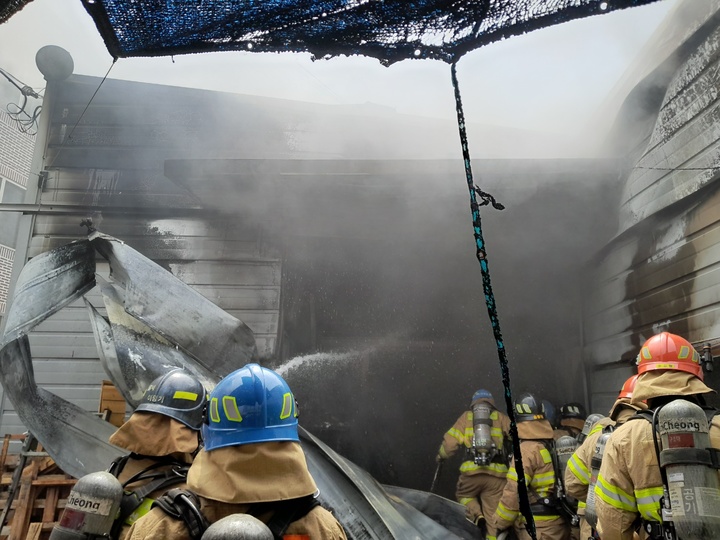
{"x":661,"y":272}
{"x":106,"y":160}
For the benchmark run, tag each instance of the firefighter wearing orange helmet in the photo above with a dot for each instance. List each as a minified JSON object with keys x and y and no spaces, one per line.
{"x":483,"y":472}
{"x":579,"y":468}
{"x":681,"y":499}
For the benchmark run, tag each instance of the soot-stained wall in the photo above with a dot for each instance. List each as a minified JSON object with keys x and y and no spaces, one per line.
{"x":386,"y":332}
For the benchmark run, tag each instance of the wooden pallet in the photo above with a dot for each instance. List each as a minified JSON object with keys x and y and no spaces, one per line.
{"x":40,"y":493}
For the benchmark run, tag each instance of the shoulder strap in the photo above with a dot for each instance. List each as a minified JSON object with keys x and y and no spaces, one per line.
{"x":646,"y":414}
{"x":132,"y":500}
{"x":185,"y":505}
{"x":710,"y":413}
{"x":118,"y":464}
{"x":285,"y":512}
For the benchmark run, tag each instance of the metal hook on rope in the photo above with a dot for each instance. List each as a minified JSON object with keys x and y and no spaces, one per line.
{"x":487,"y":199}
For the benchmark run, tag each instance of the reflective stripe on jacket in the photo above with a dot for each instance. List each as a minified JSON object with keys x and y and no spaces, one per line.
{"x":577,"y":474}
{"x":460,"y":436}
{"x":540,"y":478}
{"x":629,"y":484}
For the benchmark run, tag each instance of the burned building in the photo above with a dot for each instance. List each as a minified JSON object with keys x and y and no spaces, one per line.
{"x":340,"y":235}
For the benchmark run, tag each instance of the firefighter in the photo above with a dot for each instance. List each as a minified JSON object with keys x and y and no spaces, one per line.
{"x":481,"y":481}
{"x":252,"y":463}
{"x":550,"y":412}
{"x":578,"y":472}
{"x":630,"y":483}
{"x":162,"y":436}
{"x":572,"y":420}
{"x":536,"y":447}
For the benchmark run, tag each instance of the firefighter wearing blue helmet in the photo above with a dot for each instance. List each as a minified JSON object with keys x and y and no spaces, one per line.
{"x":252,"y":463}
{"x":481,"y":432}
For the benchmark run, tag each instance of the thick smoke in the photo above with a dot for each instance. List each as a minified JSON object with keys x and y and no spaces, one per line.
{"x":379,"y":270}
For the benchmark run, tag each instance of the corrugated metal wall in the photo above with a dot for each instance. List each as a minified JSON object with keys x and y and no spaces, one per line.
{"x":107,"y":163}
{"x":662,"y":271}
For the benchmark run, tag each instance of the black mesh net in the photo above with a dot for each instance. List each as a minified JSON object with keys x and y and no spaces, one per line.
{"x":10,"y":7}
{"x":389,"y":30}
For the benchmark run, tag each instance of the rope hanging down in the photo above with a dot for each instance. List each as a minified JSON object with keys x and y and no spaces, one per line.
{"x":490,"y":302}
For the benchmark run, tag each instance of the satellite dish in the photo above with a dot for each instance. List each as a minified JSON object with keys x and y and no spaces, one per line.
{"x":54,"y":62}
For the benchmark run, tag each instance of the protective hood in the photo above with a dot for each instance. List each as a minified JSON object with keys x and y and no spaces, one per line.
{"x":623,"y":404}
{"x":535,"y":429}
{"x":576,"y":423}
{"x":152,"y":434}
{"x":489,"y":401}
{"x":666,"y":382}
{"x":252,"y":473}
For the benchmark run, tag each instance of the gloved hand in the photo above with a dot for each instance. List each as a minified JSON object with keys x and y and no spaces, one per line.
{"x":439,"y":459}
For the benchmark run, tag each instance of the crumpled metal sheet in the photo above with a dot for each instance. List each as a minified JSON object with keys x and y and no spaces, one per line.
{"x":216,"y":340}
{"x":359,"y":501}
{"x":449,"y":513}
{"x":47,"y":284}
{"x":133,"y":354}
{"x":138,"y":354}
{"x":74,"y":438}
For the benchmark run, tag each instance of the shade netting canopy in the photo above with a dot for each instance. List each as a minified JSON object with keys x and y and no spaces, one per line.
{"x":389,"y":30}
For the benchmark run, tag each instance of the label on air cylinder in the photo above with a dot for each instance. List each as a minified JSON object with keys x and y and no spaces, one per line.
{"x":699,"y":501}
{"x":679,"y":425}
{"x":676,"y":478}
{"x":677,"y":502}
{"x":708,"y":502}
{"x":89,"y":505}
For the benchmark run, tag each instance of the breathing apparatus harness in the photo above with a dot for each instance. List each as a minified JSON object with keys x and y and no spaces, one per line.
{"x":165,"y":472}
{"x":558,"y":502}
{"x":595,"y":464}
{"x":483,"y":451}
{"x":681,"y":452}
{"x":183,"y":504}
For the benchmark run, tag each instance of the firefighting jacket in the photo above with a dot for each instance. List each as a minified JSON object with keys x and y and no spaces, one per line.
{"x":629,"y":484}
{"x":461,"y":436}
{"x":236,"y":479}
{"x":152,"y":438}
{"x":540,"y":479}
{"x":577,"y":474}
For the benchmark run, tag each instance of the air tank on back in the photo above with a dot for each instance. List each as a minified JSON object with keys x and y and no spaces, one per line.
{"x":484,"y":448}
{"x":692,"y":486}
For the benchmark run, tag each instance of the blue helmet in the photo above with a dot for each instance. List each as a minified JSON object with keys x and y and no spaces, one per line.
{"x":481,"y":394}
{"x":550,"y":412}
{"x":251,"y":405}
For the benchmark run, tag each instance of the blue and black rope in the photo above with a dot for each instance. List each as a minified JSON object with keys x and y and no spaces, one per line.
{"x":490,"y":302}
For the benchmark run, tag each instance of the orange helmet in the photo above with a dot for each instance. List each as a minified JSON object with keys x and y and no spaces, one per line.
{"x":669,"y":351}
{"x":628,"y":387}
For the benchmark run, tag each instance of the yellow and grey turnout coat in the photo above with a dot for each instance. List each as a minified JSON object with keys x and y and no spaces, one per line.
{"x":231,"y":480}
{"x":629,"y":484}
{"x":540,"y":479}
{"x":460,"y":436}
